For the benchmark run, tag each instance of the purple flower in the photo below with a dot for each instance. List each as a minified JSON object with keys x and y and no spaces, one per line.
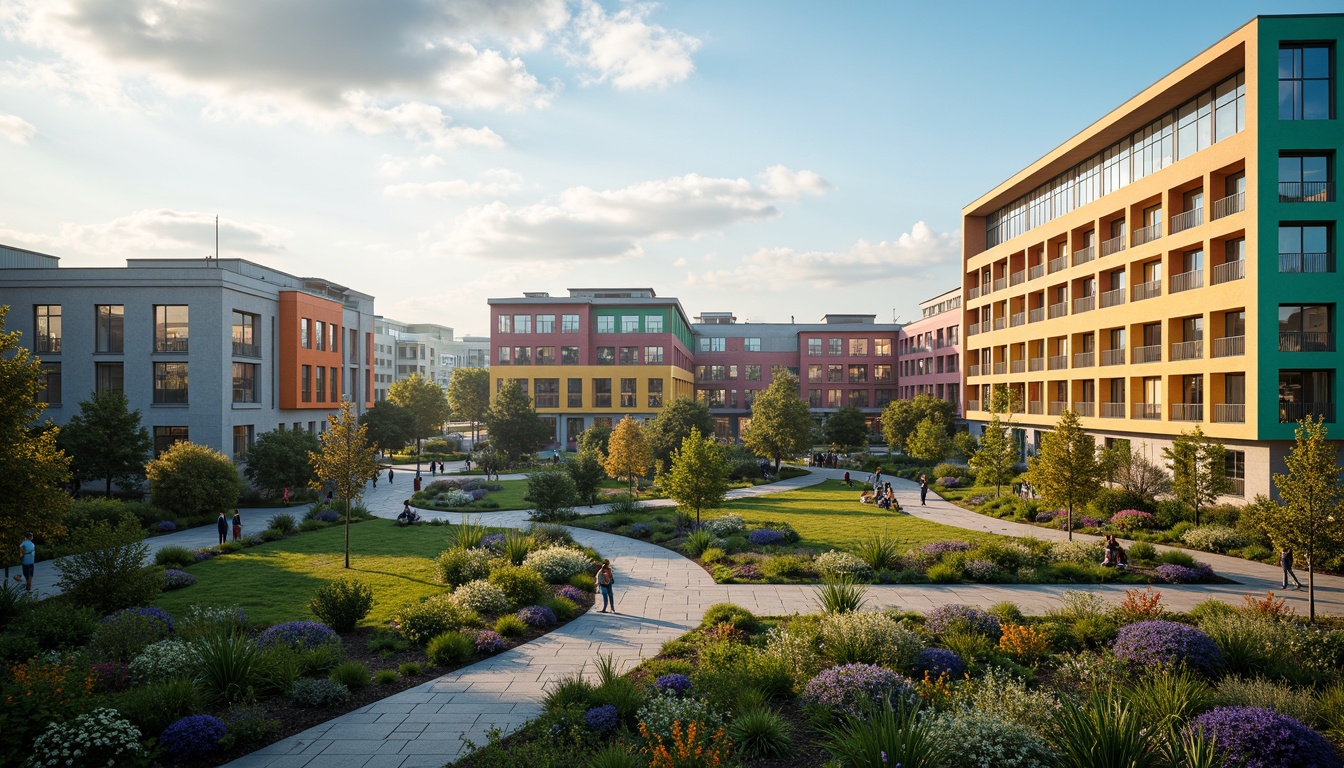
{"x":156,"y":623}
{"x":602,"y":718}
{"x":765,"y":537}
{"x":1131,"y":519}
{"x":1048,"y":515}
{"x":854,"y":689}
{"x":493,"y":542}
{"x":950,"y":482}
{"x":747,"y":572}
{"x":298,"y":635}
{"x":640,"y":529}
{"x":940,"y":548}
{"x":674,"y":683}
{"x":949,"y":618}
{"x":936,"y":661}
{"x":192,"y":736}
{"x":176,"y":579}
{"x":1149,"y":643}
{"x":328,"y":516}
{"x":980,"y":570}
{"x":1262,"y":738}
{"x":166,"y":526}
{"x":201,"y":555}
{"x":1180,"y":574}
{"x":571,"y":593}
{"x":537,"y":616}
{"x":488,"y":641}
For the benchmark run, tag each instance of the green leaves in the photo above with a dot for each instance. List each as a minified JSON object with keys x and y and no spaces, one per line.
{"x":699,"y":477}
{"x":192,"y":479}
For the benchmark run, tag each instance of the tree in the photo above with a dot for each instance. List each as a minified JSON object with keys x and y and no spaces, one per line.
{"x":1198,"y":469}
{"x":33,"y":470}
{"x":469,"y":396}
{"x":994,"y":463}
{"x":699,"y":475}
{"x":516,"y":430}
{"x":781,"y":424}
{"x":190,"y":479}
{"x":965,"y":444}
{"x":901,"y":418}
{"x":427,"y":401}
{"x":1310,"y":517}
{"x":586,"y":469}
{"x":673,"y":424}
{"x":1135,"y":473}
{"x":930,"y":442}
{"x":106,"y":441}
{"x":551,"y":492}
{"x":107,"y":570}
{"x":630,"y":455}
{"x":346,"y":461}
{"x":846,"y":429}
{"x":596,"y":439}
{"x":279,"y":459}
{"x":1066,"y":471}
{"x":391,"y":426}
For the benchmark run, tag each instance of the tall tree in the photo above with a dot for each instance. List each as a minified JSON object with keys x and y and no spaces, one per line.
{"x":781,"y":424}
{"x":33,"y":470}
{"x":596,"y":439}
{"x":901,"y":418}
{"x":997,"y":456}
{"x":469,"y":396}
{"x":427,"y":401}
{"x":191,"y":479}
{"x":516,"y":430}
{"x":846,"y":429}
{"x":699,"y":475}
{"x":279,"y":459}
{"x":1310,"y":520}
{"x":629,"y":454}
{"x":346,"y":461}
{"x":930,"y":442}
{"x":1198,"y":469}
{"x":672,"y":424}
{"x":106,"y":441}
{"x":1066,"y":470}
{"x":391,"y":426}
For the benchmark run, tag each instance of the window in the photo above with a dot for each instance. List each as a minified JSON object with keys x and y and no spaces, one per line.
{"x":569,"y":355}
{"x":835,"y":373}
{"x":334,"y":376}
{"x":606,"y":355}
{"x":814,"y":347}
{"x":505,"y":356}
{"x":569,"y":323}
{"x":732,"y":371}
{"x":1305,"y":248}
{"x":834,"y":398}
{"x":170,"y":328}
{"x":713,"y":398}
{"x":47,"y":328}
{"x":629,"y":355}
{"x":1305,"y":82}
{"x":1304,"y":177}
{"x":109,"y":377}
{"x":245,"y":382}
{"x":653,"y":355}
{"x":170,"y":383}
{"x":522,"y":323}
{"x":882,"y":347}
{"x":835,"y":347}
{"x":655,"y":393}
{"x":575,"y":393}
{"x":653,"y":324}
{"x":110,"y":328}
{"x":601,"y":393}
{"x":545,"y":323}
{"x":1305,"y":393}
{"x":306,"y":384}
{"x":505,"y":324}
{"x":321,"y":384}
{"x":814,"y":398}
{"x":522,"y":355}
{"x":814,"y":374}
{"x":547,"y":393}
{"x":606,"y":324}
{"x":1305,"y":328}
{"x":751,"y":345}
{"x":1235,"y":469}
{"x":242,"y":440}
{"x":858,"y":347}
{"x":629,"y":393}
{"x":334,"y":344}
{"x":320,"y":336}
{"x":167,"y":437}
{"x":858,"y":398}
{"x":708,"y":344}
{"x":629,"y":323}
{"x":882,"y":397}
{"x":753,"y":373}
{"x":882,"y":373}
{"x":858,"y":374}
{"x":49,"y":381}
{"x":305,"y":333}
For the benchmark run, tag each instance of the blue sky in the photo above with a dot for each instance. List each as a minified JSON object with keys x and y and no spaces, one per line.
{"x":774,"y":159}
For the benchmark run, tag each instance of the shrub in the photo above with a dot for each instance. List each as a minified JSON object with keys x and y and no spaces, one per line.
{"x":1142,"y":552}
{"x":203,"y":620}
{"x":1133,"y":520}
{"x":521,"y":586}
{"x":573,"y":594}
{"x":766,"y":537}
{"x":298,"y":635}
{"x":351,"y":674}
{"x":197,"y":735}
{"x":662,"y":711}
{"x":1103,"y":731}
{"x":1110,"y":501}
{"x":123,"y":635}
{"x":1213,"y":538}
{"x":867,"y":637}
{"x":510,"y":626}
{"x":176,"y":579}
{"x":1180,"y":574}
{"x":563,"y":608}
{"x":986,"y":739}
{"x":342,"y":603}
{"x":1297,"y":703}
{"x":1261,"y":738}
{"x":385,"y":676}
{"x":889,"y":737}
{"x":409,"y":669}
{"x":732,"y":615}
{"x":537,"y":616}
{"x":761,"y":733}
{"x":247,"y":724}
{"x":1024,"y":643}
{"x":107,"y":571}
{"x":725,"y":526}
{"x":1084,"y":552}
{"x":842,"y":596}
{"x":327,"y":516}
{"x":1150,"y":643}
{"x":163,"y":661}
{"x":557,"y":564}
{"x":419,"y":621}
{"x":936,"y":549}
{"x":950,"y":618}
{"x":677,"y":684}
{"x":601,"y":719}
{"x":226,"y":665}
{"x":456,"y":567}
{"x":154,"y":707}
{"x":488,"y":642}
{"x":282,"y":522}
{"x":313,"y":693}
{"x":481,"y":597}
{"x":100,"y":737}
{"x":584,"y":581}
{"x":697,"y":542}
{"x":834,"y":566}
{"x":879,"y":552}
{"x":786,"y":567}
{"x":856,"y":689}
{"x":174,"y":556}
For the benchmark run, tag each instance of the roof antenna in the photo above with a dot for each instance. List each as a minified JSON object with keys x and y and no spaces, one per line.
{"x":216,"y":238}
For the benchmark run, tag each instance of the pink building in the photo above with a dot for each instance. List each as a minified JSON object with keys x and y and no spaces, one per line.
{"x":928,"y":353}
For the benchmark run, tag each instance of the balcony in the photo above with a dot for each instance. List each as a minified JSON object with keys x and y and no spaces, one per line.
{"x":1086,"y":408}
{"x":1187,"y":281}
{"x":1036,"y":364}
{"x":1000,"y":323}
{"x":1306,"y":191}
{"x":972,"y":405}
{"x":973,"y":370}
{"x":1058,"y":263}
{"x":1290,"y":411}
{"x":1306,"y":341}
{"x":1018,"y":278}
{"x":1229,"y":346}
{"x":1084,"y":359}
{"x":1017,"y":366}
{"x":1113,"y":298}
{"x":1294,"y":263}
{"x":170,"y":345}
{"x":1187,"y":411}
{"x":1035,"y":407}
{"x":1147,"y":234}
{"x":1036,"y":315}
{"x":1016,"y":319}
{"x":1229,"y":413}
{"x":1229,"y":205}
{"x":243,"y":349}
{"x":1114,"y":245}
{"x":1113,"y":356}
{"x":1059,"y":310}
{"x":1057,"y":407}
{"x":1148,"y":290}
{"x":1232,"y":270}
{"x":1146,"y":411}
{"x":984,"y":326}
{"x":1112,"y":410}
{"x":1188,"y":350}
{"x":973,"y":292}
{"x":1084,"y":255}
{"x":1058,"y":362}
{"x":1187,"y":220}
{"x":1149,"y":354}
{"x":1036,"y":271}
{"x":1000,"y":283}
{"x":1084,"y":304}
{"x":1000,"y":369}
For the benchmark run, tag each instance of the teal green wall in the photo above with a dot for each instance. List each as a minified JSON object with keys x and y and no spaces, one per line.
{"x":1274,"y":289}
{"x":672,"y":322}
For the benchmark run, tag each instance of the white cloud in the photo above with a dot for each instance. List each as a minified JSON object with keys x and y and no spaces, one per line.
{"x":627,"y":51}
{"x":395,"y":165}
{"x":16,"y":129}
{"x":914,"y":255}
{"x":583,"y":223}
{"x":160,"y":232}
{"x":500,"y":183}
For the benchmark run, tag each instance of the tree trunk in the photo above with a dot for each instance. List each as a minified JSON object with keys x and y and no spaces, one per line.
{"x":347,"y":534}
{"x":1311,"y":592}
{"x":109,"y":486}
{"x":1070,"y":513}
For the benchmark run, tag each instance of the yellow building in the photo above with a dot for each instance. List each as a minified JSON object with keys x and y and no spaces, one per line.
{"x":1173,"y":264}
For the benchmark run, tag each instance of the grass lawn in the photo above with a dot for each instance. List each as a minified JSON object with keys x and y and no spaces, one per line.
{"x":273,"y":582}
{"x":509,"y":498}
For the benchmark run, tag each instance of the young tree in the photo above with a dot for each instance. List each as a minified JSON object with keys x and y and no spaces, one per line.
{"x":106,"y":441}
{"x":516,"y":430}
{"x":673,"y":424}
{"x":191,"y":479}
{"x":469,"y":396}
{"x":1198,"y":469}
{"x":391,"y":426}
{"x":901,"y":418}
{"x":965,"y":444}
{"x":1066,"y":471}
{"x":630,"y":455}
{"x":997,"y":457}
{"x":930,"y":442}
{"x":846,"y":429}
{"x":551,"y":492}
{"x":346,"y":461}
{"x":279,"y":459}
{"x":781,"y":424}
{"x":586,"y":469}
{"x":1310,"y":518}
{"x":427,"y":401}
{"x":699,"y":475}
{"x":596,"y":438}
{"x":1135,"y":473}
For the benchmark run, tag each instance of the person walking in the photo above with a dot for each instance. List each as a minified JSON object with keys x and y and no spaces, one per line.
{"x":1286,"y":560}
{"x":376,"y":473}
{"x":605,"y":581}
{"x":222,"y":525}
{"x":237,"y":525}
{"x":390,"y":471}
{"x":27,"y":557}
{"x":923,"y":490}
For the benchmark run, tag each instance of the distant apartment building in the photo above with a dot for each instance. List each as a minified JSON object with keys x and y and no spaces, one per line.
{"x":215,"y":351}
{"x":402,"y":350}
{"x":928,"y":350}
{"x":466,"y":352}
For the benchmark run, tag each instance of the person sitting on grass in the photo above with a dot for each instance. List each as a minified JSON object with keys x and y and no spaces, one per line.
{"x":866,"y":497}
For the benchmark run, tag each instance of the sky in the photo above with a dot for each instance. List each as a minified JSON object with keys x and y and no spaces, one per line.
{"x":779,"y":160}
